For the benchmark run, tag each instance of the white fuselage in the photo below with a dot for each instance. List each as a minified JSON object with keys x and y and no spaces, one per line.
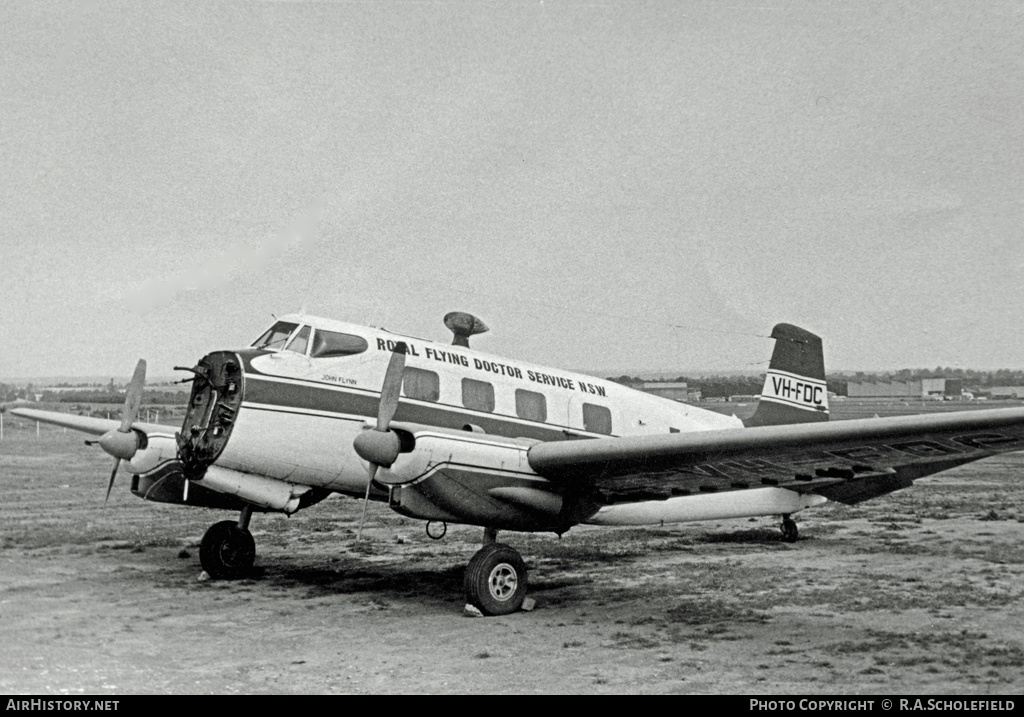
{"x":321,"y":403}
{"x":300,"y":413}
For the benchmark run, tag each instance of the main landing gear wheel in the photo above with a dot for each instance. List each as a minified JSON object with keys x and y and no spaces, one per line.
{"x":496,"y":580}
{"x":789,"y":530}
{"x":227,"y":551}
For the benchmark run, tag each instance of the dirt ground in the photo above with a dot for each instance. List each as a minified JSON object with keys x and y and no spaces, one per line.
{"x":920,"y":591}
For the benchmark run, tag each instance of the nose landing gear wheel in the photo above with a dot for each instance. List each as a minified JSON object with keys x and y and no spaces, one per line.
{"x":227,"y":551}
{"x":495,"y":580}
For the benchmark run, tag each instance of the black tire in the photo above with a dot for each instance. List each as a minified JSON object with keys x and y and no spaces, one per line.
{"x":496,"y":580}
{"x":790,"y":533}
{"x":227,"y":551}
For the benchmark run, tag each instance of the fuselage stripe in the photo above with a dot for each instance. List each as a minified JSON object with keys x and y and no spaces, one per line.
{"x":303,"y":412}
{"x":362,"y":420}
{"x":333,"y":400}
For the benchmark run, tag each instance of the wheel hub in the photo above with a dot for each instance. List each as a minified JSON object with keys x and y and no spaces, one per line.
{"x":230,"y":551}
{"x":502,"y":582}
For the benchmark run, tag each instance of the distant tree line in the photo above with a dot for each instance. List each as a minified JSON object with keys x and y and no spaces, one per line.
{"x":149,"y":397}
{"x":980,"y":379}
{"x":103,"y":394}
{"x":712,"y":386}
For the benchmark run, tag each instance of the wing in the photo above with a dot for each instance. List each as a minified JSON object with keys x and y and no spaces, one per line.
{"x":846,"y":461}
{"x":85,"y":424}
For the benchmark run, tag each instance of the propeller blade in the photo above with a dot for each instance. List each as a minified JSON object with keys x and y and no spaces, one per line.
{"x":122,"y":443}
{"x":366,"y":499}
{"x":133,"y":397}
{"x":389,"y":394}
{"x":392,"y":387}
{"x":113,"y":473}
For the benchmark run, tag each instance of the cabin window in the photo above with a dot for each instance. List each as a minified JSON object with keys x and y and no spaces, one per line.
{"x":331,"y":343}
{"x":531,"y":405}
{"x":597,"y":419}
{"x":300,"y":342}
{"x":276,"y":336}
{"x":421,"y":384}
{"x":478,"y":395}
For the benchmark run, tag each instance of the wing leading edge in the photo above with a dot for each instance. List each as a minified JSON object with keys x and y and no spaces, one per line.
{"x":86,"y":424}
{"x":846,"y":461}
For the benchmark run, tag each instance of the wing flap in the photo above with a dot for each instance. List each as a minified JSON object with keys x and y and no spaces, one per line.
{"x":849,"y":461}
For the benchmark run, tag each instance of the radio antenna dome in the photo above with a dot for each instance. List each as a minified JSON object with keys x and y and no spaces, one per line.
{"x":463,"y":325}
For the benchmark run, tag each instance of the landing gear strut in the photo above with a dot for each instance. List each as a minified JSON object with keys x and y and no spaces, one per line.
{"x":495,"y":579}
{"x":228,"y":550}
{"x":789,"y":530}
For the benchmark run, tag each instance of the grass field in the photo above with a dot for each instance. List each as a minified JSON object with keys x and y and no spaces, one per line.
{"x":919,"y":591}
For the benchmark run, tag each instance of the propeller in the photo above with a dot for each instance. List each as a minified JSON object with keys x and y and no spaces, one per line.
{"x":380,"y":446}
{"x":122,"y":442}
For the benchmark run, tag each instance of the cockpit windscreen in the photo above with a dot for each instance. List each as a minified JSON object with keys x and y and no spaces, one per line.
{"x":276,"y":336}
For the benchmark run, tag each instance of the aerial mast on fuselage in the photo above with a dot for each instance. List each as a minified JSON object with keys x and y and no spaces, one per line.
{"x":463,"y":325}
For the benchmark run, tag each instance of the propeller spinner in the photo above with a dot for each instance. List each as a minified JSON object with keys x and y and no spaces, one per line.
{"x":380,"y":446}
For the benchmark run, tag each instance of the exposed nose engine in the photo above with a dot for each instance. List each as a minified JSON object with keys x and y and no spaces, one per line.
{"x":216,"y":398}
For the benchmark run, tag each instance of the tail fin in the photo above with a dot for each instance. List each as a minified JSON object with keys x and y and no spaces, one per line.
{"x":794,"y":387}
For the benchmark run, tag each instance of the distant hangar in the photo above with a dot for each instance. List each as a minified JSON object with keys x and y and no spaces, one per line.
{"x":934,"y":388}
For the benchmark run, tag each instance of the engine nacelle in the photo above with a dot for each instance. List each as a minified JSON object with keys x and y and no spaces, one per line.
{"x":223,"y":488}
{"x":159,"y":448}
{"x":432,"y":447}
{"x":469,"y":477}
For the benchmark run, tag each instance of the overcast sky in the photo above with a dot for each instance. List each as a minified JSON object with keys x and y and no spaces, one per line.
{"x":606,"y":184}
